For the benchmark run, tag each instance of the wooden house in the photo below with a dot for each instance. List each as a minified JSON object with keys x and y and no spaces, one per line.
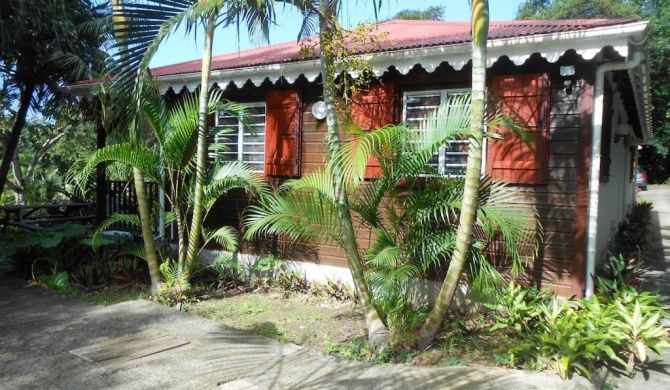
{"x":581,"y":87}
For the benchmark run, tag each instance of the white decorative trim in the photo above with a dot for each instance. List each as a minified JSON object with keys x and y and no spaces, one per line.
{"x":586,"y":43}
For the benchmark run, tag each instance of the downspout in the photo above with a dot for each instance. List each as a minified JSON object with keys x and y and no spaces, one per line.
{"x":594,"y":178}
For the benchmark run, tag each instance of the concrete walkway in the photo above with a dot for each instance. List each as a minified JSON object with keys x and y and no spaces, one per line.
{"x":38,"y":328}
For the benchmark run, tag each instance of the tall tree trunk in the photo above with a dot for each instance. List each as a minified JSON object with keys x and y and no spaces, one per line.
{"x":20,"y":184}
{"x":377,"y":331}
{"x":143,"y":204}
{"x":15,"y":134}
{"x":480,"y":25}
{"x":194,"y":238}
{"x":144,"y":209}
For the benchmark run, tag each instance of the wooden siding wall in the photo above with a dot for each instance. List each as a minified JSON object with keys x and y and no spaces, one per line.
{"x":557,"y":202}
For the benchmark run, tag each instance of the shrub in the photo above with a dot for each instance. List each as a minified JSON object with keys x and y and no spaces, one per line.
{"x":632,"y":233}
{"x":519,"y":308}
{"x":616,"y":274}
{"x":69,"y":248}
{"x":576,"y":336}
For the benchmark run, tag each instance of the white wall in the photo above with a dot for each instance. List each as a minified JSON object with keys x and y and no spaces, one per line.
{"x":617,"y":194}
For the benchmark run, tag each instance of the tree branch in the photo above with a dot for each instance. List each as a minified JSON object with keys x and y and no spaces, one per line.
{"x":37,"y":155}
{"x":12,"y":186}
{"x":16,"y":168}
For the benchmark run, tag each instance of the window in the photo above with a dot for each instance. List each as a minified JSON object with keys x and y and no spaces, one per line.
{"x":270,"y":141}
{"x":451,"y":159}
{"x":243,"y":143}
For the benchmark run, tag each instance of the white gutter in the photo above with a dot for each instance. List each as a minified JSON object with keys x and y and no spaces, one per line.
{"x":594,"y":179}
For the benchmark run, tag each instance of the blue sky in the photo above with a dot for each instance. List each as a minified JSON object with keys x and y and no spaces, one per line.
{"x":180,"y":48}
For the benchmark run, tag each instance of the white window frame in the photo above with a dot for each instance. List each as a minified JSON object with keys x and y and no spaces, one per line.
{"x":240,"y":133}
{"x":442,"y":152}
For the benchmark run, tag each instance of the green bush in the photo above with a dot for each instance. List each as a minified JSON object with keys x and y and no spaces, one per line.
{"x":69,"y":248}
{"x":616,"y":274}
{"x":568,"y":339}
{"x":632,"y":233}
{"x":519,"y":308}
{"x":362,"y":350}
{"x":577,"y":336}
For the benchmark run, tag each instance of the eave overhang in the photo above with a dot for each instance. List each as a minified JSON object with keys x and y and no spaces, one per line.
{"x":587,"y":43}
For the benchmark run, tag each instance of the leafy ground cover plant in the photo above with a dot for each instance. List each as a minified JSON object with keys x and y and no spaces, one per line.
{"x":69,"y":248}
{"x":614,"y":327}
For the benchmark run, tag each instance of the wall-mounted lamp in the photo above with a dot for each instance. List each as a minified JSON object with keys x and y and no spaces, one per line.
{"x":319,"y":110}
{"x":622,"y":130}
{"x":568,"y":73}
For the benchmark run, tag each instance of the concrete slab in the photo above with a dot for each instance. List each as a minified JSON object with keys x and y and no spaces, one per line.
{"x":38,"y":327}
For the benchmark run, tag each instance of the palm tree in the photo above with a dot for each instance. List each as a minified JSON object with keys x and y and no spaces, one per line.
{"x":326,"y":11}
{"x":140,"y":27}
{"x":135,"y":139}
{"x":171,"y":164}
{"x":480,"y":26}
{"x":414,"y":227}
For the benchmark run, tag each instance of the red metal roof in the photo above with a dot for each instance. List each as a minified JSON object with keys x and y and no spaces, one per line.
{"x":402,"y":34}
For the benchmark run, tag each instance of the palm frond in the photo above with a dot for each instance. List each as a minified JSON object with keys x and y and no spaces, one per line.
{"x":485,"y":279}
{"x":403,"y":151}
{"x":142,"y":158}
{"x":154,"y":112}
{"x":135,"y":249}
{"x":225,"y":236}
{"x":389,"y":283}
{"x":232,"y":175}
{"x":130,"y":219}
{"x":319,"y":181}
{"x":299,"y":215}
{"x":383,"y":249}
{"x":366,"y":201}
{"x":255,"y":14}
{"x":383,"y":143}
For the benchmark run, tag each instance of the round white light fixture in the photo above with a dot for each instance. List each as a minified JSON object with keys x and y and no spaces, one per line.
{"x":319,"y":110}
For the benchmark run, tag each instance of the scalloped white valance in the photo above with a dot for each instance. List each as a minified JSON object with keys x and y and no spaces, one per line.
{"x":586,"y":43}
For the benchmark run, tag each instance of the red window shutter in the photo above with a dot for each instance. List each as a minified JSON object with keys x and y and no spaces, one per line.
{"x":283,"y":124}
{"x":526,"y":99}
{"x":370,"y":110}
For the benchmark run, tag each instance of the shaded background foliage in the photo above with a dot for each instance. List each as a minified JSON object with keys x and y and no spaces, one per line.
{"x":43,"y":45}
{"x":653,"y":157}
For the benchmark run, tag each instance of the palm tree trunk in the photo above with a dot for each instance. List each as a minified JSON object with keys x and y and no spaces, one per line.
{"x":480,"y":24}
{"x":144,"y":209}
{"x":15,"y":134}
{"x":377,"y":331}
{"x":201,"y":157}
{"x":143,"y":204}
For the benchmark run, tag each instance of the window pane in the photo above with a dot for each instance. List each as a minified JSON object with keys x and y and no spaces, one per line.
{"x":452,"y":157}
{"x":247,"y":141}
